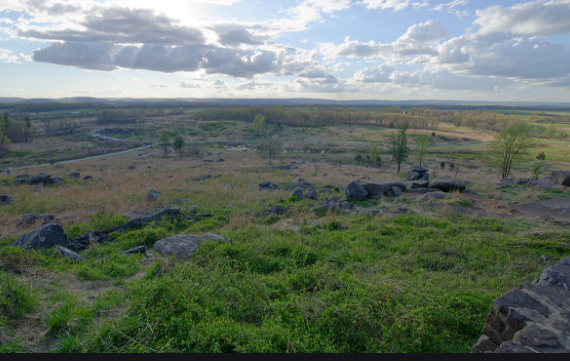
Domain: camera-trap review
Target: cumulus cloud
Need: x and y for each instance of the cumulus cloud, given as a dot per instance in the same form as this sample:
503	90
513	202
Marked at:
378	74
188	85
329	6
416	41
236	35
503	56
543	17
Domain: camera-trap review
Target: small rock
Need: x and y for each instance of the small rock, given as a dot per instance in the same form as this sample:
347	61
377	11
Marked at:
429	196
88	178
298	192
9	172
137	250
233	186
152	196
57	180
4	199
221	160
132	167
75	176
194	209
268	185
185	246
66	253
543	259
312	194
401	209
31	219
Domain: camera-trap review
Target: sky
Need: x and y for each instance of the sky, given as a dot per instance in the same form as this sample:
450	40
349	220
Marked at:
470	50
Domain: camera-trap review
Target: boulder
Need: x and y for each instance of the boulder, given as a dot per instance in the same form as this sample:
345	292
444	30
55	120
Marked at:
268	185
533	318
31	219
152	196
143	220
9	172
184	246
44	238
312	194
419	169
429	196
412	176
447	185
4	199
40	179
88	177
66	253
384	188
298	192
397	191
561	178
356	192
75	176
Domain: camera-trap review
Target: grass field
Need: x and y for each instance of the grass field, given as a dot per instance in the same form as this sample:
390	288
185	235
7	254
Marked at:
311	280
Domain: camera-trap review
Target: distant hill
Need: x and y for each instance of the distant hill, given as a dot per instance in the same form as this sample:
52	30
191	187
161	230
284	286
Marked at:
290	102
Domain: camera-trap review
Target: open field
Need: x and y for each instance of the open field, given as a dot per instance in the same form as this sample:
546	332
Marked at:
392	274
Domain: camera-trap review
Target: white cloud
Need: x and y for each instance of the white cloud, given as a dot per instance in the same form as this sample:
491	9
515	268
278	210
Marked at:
397	5
543	17
378	74
329	6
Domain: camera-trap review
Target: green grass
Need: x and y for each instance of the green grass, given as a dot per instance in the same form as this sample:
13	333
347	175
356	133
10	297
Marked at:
410	284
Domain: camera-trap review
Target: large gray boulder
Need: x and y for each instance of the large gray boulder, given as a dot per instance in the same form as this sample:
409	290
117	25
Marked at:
561	178
447	185
40	179
384	188
185	246
356	192
44	238
533	318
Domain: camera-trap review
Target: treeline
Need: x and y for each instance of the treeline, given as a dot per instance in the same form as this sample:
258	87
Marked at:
15	131
131	116
384	117
52	107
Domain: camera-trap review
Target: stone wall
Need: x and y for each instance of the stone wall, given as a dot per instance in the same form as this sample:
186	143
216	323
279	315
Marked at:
532	319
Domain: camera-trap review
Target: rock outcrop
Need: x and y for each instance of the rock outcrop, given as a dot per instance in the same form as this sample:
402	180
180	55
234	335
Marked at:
531	319
447	185
44	238
418	173
356	192
561	178
184	246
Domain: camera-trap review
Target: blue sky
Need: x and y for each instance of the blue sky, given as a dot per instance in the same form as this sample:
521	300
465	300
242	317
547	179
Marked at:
505	50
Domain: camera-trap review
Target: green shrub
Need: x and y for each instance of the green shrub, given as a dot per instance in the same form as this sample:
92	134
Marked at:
16	299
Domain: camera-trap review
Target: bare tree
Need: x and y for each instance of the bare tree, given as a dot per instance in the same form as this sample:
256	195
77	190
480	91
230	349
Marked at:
510	144
270	149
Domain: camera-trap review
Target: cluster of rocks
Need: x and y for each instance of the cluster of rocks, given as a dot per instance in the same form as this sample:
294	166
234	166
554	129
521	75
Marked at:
558	179
46	179
416	182
48	237
535	318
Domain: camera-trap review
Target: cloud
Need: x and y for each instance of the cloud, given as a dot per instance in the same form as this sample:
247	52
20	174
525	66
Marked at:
236	35
397	5
124	26
7	57
416	41
544	17
378	74
189	85
329	6
499	55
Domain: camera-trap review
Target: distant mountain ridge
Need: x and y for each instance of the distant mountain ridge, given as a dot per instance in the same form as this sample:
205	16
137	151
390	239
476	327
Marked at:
284	101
